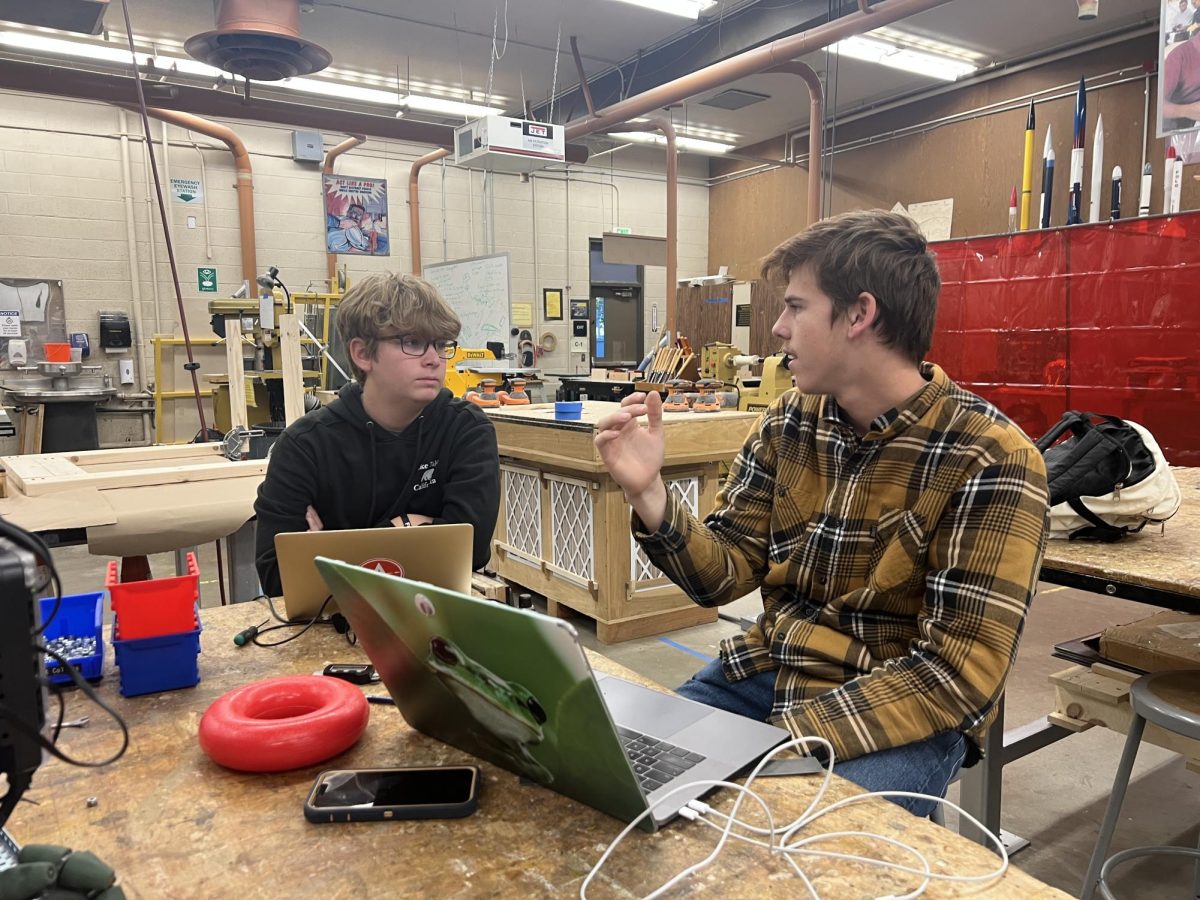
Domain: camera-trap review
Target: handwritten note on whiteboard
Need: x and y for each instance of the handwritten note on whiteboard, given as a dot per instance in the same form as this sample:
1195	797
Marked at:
478	289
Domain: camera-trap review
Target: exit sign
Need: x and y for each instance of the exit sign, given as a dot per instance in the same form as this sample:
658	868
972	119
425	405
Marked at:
622	231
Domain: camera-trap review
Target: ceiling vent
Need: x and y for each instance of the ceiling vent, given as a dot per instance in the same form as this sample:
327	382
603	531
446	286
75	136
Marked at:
259	40
83	16
734	99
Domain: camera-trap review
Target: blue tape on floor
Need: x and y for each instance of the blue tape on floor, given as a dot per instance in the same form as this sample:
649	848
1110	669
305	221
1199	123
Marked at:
679	646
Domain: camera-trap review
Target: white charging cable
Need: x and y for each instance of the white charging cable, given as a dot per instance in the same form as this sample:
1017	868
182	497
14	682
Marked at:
780	840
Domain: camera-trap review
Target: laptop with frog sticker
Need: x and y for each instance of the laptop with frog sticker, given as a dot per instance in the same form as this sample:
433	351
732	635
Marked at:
514	687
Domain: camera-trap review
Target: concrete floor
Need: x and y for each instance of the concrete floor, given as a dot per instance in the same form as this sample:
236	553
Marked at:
1055	798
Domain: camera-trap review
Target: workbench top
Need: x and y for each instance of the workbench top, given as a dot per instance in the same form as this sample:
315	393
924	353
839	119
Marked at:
174	824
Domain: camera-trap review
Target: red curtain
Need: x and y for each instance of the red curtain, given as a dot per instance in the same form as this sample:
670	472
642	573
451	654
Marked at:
1102	318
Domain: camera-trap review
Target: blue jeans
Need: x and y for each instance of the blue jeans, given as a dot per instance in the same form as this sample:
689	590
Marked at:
924	767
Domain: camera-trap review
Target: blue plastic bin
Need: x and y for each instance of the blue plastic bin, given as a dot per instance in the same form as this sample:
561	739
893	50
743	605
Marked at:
150	665
79	615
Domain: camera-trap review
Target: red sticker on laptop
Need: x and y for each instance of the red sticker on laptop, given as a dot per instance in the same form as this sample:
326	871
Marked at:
386	566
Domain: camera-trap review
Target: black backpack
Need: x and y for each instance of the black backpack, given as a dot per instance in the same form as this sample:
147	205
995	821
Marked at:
1108	479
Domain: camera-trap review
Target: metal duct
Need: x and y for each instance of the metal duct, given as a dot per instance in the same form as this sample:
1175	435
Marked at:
259	40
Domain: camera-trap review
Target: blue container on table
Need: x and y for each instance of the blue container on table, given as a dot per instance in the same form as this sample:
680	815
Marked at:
78	616
164	663
568	410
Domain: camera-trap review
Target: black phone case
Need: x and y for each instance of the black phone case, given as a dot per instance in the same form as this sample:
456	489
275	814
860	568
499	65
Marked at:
329	814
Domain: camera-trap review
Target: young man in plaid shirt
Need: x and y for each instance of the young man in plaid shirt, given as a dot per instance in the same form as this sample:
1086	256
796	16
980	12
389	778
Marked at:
893	521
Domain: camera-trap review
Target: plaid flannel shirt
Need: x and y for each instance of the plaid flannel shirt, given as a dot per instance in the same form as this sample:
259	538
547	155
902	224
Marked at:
896	569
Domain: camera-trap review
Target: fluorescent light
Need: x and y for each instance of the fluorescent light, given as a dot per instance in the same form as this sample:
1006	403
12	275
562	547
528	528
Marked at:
689	9
20	40
918	62
186	66
682	143
699	131
36	43
446	106
340	90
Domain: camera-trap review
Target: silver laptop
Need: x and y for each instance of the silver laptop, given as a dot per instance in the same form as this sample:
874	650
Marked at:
438	554
514	687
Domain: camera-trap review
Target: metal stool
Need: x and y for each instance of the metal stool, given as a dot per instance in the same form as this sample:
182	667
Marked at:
1170	700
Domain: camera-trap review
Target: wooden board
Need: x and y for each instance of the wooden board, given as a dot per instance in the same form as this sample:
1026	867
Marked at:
532	434
293	373
157	453
54	477
1091	697
238	416
29	429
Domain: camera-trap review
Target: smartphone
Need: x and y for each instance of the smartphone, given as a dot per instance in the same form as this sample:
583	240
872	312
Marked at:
374	795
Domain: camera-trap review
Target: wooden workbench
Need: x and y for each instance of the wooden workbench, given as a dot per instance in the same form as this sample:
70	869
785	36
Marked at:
174	824
563	529
1156	565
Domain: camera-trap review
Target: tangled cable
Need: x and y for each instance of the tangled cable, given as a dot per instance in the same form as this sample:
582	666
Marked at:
782	840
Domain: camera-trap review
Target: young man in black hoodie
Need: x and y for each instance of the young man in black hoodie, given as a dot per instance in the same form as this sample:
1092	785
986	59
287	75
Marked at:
396	448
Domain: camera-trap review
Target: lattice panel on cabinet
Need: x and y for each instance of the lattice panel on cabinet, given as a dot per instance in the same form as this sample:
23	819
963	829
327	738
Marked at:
571	527
687	491
523	511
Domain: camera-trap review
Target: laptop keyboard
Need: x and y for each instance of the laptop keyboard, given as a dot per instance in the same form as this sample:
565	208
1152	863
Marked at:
655	762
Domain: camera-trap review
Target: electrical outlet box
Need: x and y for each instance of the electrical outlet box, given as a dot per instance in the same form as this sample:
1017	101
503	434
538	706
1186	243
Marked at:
308	146
125	367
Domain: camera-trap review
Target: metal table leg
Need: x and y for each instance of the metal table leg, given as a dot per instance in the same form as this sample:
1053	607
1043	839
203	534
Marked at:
981	788
242	578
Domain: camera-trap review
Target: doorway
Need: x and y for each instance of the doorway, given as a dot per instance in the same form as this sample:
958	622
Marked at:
616	310
616	326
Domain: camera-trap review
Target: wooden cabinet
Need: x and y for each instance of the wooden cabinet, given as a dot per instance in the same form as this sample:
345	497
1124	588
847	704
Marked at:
563	529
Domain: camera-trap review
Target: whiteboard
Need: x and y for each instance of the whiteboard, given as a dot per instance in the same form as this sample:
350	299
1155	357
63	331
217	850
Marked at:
478	289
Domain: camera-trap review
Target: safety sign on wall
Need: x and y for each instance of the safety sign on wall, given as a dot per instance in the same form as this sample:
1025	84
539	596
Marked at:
187	190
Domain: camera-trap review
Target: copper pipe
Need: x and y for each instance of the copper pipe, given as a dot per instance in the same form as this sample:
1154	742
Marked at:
816	127
663	124
334	152
245	180
583	82
414	203
749	63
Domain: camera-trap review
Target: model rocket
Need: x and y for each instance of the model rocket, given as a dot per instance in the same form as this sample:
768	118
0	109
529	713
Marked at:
1047	180
1075	182
1168	178
1094	212
1012	210
1114	211
1027	170
1144	192
1176	180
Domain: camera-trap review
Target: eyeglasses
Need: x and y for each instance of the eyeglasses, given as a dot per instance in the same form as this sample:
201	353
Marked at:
415	346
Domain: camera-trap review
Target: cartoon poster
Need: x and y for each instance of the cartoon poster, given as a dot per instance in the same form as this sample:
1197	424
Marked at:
356	215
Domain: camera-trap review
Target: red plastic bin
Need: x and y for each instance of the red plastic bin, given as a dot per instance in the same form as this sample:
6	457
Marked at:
158	606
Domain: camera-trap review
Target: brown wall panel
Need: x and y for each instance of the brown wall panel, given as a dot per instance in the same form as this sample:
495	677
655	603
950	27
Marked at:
976	162
699	319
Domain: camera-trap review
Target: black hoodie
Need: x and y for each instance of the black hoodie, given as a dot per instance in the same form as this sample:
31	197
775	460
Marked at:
357	474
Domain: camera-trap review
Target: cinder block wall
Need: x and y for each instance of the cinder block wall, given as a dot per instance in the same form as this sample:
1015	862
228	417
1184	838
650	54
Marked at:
62	216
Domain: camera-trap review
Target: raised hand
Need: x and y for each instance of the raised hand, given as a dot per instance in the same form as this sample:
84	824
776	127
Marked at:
634	455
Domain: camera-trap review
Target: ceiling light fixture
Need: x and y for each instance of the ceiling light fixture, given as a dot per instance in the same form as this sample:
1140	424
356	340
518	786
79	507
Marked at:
682	143
22	41
689	9
895	56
